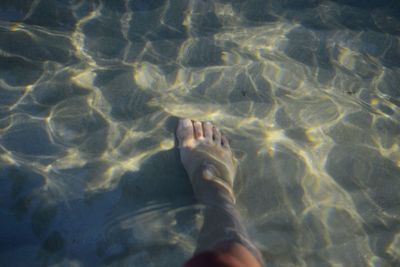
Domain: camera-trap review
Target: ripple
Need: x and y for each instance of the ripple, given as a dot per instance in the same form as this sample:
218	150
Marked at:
89	95
83	127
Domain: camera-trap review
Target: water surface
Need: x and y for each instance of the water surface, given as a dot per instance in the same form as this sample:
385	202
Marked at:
90	93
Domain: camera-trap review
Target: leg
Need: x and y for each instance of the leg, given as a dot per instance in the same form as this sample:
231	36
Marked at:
211	167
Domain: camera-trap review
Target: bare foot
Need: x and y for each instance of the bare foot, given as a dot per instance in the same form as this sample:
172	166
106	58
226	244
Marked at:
208	160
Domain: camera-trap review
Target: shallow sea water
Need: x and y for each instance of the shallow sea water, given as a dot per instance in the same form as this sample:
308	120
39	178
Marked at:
90	92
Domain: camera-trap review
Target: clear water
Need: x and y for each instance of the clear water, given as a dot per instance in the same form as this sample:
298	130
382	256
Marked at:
90	92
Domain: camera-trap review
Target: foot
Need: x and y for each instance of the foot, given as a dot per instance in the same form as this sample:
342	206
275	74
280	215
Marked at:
208	160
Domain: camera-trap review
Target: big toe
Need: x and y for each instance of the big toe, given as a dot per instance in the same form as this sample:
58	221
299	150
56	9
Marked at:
185	133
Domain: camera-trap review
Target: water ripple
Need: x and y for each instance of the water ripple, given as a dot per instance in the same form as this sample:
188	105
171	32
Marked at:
306	90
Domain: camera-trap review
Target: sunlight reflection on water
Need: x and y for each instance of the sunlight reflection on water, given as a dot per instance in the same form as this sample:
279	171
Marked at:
89	96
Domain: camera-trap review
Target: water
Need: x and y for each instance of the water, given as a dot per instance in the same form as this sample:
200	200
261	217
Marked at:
308	92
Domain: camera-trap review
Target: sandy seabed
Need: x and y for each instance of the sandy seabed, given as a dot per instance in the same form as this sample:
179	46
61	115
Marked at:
90	92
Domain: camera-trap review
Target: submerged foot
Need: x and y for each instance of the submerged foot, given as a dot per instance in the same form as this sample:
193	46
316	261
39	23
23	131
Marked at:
208	160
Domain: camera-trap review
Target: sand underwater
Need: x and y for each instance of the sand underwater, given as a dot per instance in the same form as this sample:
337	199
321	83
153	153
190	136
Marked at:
90	92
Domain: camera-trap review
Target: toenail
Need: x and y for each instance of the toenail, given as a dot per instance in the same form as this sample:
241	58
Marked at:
187	123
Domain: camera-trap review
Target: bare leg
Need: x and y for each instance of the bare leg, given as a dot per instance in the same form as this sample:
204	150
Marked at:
209	162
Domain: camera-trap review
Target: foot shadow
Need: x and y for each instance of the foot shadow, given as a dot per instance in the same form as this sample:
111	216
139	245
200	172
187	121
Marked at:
155	218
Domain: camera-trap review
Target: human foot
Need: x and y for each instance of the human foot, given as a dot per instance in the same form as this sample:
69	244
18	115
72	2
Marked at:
208	160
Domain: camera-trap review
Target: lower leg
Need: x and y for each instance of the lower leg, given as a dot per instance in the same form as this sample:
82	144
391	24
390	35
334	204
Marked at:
222	222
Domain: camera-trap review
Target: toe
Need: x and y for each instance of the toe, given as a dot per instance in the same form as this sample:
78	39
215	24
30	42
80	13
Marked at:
217	136
224	141
198	130
208	130
185	132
